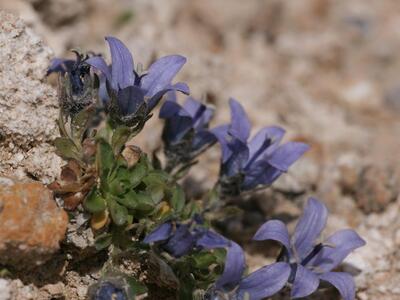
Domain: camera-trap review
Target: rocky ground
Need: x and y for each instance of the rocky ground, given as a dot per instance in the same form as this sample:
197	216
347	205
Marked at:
325	70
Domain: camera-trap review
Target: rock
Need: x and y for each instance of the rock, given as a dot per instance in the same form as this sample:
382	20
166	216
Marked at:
4	289
60	12
23	292
56	290
375	189
392	98
32	225
28	106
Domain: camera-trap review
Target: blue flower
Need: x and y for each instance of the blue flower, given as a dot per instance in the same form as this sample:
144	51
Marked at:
233	286
245	164
134	94
304	261
185	133
76	83
180	239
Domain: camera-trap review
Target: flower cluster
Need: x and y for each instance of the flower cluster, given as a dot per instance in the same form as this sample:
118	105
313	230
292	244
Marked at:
180	239
133	96
303	262
258	162
186	133
137	206
76	80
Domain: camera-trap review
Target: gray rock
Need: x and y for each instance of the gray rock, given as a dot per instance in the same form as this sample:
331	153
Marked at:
28	105
4	289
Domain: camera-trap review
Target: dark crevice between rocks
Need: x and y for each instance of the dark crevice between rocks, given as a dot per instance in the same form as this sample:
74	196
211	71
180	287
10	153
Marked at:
53	271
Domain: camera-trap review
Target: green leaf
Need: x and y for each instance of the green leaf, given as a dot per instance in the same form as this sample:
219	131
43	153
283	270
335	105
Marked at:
138	173
156	177
105	159
103	241
119	181
203	260
156	192
220	255
144	202
178	199
94	202
187	287
136	286
80	121
128	200
119	138
140	202
115	187
104	133
190	210
66	148
119	213
165	275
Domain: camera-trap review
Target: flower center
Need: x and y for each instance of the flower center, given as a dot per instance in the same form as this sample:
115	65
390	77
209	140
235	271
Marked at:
312	254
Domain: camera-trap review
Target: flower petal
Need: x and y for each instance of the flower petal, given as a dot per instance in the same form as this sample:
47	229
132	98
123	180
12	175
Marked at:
176	127
265	139
309	227
240	155
181	241
178	122
129	100
161	73
340	245
305	282
103	93
274	230
265	281
343	282
99	63
161	233
240	123
200	113
212	240
286	155
260	173
60	65
171	96
181	87
122	69
153	101
203	138
221	133
234	268
169	109
193	107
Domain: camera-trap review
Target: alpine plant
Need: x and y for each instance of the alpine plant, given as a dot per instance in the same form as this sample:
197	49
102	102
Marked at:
250	163
186	131
132	95
136	207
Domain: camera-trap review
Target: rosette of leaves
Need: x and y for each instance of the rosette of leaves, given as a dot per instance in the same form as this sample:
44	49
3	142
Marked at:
129	196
